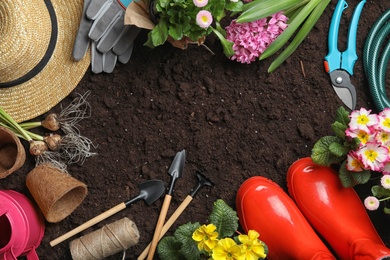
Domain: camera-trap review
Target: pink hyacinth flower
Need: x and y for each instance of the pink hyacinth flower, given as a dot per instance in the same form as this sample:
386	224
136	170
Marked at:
204	19
252	38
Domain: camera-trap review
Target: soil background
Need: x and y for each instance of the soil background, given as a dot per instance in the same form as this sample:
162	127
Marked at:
234	121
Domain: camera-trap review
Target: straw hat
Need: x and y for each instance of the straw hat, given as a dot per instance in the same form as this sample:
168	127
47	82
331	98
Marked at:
36	66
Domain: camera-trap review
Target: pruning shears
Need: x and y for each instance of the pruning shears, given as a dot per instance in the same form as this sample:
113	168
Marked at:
339	65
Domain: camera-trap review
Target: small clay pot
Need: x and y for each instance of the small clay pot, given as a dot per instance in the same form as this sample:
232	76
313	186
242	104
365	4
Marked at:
56	192
12	153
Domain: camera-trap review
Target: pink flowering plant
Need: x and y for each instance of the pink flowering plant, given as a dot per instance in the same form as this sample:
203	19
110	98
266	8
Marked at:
190	21
360	146
251	39
218	240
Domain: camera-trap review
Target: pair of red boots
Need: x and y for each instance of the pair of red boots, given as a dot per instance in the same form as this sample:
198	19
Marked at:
322	206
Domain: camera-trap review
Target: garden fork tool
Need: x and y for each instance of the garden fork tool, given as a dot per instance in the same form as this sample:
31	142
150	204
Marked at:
176	171
339	65
202	181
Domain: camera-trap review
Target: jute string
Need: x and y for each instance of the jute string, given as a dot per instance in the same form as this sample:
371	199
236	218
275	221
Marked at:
109	240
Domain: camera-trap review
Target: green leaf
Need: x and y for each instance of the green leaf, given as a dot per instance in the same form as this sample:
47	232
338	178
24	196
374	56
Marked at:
380	192
234	6
301	35
176	31
226	45
342	116
189	247
361	177
159	34
338	150
286	34
339	129
321	154
259	9
386	210
168	249
345	177
224	218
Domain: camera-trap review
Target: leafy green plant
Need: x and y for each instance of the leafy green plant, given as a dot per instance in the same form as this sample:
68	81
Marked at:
193	241
330	150
189	21
303	15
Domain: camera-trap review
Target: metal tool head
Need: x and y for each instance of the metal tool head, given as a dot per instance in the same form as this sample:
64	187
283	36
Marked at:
341	83
176	169
202	181
150	191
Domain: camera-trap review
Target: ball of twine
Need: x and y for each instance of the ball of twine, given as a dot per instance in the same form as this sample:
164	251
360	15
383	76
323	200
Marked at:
109	240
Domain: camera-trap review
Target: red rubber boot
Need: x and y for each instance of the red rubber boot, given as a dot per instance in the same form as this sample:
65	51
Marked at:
263	206
335	212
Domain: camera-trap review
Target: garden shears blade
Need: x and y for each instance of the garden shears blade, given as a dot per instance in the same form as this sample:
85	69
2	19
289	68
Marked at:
339	65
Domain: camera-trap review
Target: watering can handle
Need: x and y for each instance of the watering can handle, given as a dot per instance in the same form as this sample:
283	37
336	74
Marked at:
32	255
9	255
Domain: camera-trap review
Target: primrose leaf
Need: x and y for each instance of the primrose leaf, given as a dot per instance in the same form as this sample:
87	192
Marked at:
321	153
339	129
189	248
342	116
361	177
169	249
379	191
337	149
345	177
224	218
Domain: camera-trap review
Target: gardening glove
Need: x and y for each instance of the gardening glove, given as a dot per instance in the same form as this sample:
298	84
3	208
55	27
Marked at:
102	23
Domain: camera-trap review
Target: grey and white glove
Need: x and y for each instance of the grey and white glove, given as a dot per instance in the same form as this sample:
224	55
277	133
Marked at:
102	24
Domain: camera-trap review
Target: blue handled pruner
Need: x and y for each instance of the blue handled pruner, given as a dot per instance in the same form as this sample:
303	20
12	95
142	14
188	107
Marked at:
338	64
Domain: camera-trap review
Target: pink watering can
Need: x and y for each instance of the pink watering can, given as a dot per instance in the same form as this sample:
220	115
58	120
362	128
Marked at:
21	226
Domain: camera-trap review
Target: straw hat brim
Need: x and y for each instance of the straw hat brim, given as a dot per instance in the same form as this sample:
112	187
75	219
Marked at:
58	78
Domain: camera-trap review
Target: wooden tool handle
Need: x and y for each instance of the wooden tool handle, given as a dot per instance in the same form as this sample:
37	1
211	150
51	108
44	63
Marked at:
89	223
160	223
168	224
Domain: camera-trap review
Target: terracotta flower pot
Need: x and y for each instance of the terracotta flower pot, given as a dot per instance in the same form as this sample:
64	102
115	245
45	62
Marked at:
12	153
56	192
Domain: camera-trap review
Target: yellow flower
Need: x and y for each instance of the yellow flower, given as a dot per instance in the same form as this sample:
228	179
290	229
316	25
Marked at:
206	237
227	249
252	246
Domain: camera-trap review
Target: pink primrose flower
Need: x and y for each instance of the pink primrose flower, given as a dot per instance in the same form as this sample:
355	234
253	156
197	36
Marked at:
362	135
353	162
386	169
200	3
384	120
371	203
373	156
362	119
204	19
252	38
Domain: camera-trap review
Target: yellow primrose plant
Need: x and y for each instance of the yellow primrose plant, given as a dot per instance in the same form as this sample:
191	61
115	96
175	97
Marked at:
217	240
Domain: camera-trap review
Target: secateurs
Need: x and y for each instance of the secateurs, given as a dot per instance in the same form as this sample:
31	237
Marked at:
338	64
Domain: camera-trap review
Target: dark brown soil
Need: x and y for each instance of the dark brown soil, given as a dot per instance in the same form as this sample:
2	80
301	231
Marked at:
234	121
